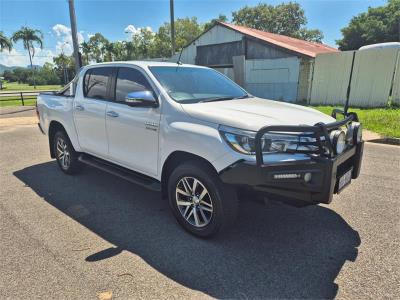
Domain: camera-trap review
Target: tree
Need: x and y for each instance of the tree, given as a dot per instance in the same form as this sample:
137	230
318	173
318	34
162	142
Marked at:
29	37
221	18
286	19
120	51
46	75
64	67
186	30
97	45
143	42
108	51
5	43
377	25
86	50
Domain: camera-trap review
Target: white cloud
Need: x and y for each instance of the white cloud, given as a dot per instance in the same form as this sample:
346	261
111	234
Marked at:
64	39
60	30
20	58
131	30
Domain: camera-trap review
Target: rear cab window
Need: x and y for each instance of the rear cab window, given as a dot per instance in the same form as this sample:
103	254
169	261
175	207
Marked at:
96	82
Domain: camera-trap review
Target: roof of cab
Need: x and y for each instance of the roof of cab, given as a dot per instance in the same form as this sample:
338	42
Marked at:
143	64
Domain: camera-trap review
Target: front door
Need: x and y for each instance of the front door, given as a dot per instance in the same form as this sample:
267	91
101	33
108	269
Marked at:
132	131
90	111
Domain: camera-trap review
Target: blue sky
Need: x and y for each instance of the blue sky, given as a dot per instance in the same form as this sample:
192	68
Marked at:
112	17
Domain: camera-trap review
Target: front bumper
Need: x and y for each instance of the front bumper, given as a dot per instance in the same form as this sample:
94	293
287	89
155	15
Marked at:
325	174
290	181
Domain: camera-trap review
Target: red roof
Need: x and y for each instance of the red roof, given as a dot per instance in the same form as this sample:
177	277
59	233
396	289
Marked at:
310	49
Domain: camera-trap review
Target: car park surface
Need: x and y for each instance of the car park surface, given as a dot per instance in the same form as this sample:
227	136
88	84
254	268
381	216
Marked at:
95	234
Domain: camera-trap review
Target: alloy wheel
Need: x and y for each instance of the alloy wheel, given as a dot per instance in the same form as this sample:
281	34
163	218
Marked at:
194	201
63	153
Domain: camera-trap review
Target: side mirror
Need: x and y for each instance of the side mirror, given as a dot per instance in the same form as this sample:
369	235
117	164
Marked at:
141	98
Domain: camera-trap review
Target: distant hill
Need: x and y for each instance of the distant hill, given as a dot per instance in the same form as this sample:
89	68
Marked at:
3	68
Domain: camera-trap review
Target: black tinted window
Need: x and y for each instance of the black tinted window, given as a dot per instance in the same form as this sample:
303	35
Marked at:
96	82
130	80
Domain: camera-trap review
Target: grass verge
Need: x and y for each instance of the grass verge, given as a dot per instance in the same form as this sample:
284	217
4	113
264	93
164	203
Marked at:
23	87
13	102
385	121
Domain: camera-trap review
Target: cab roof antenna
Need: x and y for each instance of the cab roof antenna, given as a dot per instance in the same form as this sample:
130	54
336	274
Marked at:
179	58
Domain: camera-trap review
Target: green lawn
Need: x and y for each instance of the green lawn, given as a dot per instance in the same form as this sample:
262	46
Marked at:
10	101
385	121
22	87
15	86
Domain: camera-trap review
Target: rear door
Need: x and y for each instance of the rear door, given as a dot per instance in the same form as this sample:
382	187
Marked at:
90	111
132	131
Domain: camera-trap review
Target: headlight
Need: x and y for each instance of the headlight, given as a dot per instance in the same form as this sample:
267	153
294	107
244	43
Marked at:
338	139
243	141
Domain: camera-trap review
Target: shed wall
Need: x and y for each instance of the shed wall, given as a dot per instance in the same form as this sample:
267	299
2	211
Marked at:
257	50
216	35
273	78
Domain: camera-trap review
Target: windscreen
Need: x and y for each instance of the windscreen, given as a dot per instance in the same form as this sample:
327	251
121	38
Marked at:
193	85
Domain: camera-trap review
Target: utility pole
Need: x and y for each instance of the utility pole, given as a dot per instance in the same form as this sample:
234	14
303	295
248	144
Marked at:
171	10
72	18
65	72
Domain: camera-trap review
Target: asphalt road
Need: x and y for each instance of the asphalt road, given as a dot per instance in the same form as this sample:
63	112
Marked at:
76	237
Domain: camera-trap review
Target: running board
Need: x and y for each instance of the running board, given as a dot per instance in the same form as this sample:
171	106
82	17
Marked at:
131	176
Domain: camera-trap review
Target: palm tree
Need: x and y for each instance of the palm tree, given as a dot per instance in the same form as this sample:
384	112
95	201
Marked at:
86	51
109	50
5	43
29	36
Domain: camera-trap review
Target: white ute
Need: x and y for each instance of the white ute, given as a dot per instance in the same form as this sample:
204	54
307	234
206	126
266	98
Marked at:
196	136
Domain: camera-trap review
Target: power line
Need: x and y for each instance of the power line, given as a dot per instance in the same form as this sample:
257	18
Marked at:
50	55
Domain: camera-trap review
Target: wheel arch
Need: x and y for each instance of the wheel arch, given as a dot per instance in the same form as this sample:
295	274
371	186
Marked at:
173	160
54	127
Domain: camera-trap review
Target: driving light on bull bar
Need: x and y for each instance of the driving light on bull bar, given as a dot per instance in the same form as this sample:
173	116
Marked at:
357	132
287	176
307	177
354	133
338	139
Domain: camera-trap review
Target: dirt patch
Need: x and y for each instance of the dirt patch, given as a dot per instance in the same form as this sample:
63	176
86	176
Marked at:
18	121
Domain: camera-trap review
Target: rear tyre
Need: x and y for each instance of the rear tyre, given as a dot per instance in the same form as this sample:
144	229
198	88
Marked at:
67	157
202	204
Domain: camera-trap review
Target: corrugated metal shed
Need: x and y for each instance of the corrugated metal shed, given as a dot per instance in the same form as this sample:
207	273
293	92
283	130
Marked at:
266	64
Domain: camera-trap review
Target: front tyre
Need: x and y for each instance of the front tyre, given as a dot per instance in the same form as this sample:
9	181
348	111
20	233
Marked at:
67	157
202	204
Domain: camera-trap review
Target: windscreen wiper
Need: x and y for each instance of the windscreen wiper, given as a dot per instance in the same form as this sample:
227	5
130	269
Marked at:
222	98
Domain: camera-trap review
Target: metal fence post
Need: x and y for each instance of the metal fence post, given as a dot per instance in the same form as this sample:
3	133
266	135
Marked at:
22	99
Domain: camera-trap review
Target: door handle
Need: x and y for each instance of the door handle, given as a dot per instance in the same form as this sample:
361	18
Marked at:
79	107
112	114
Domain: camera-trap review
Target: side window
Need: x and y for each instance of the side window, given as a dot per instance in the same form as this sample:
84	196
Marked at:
129	80
95	83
